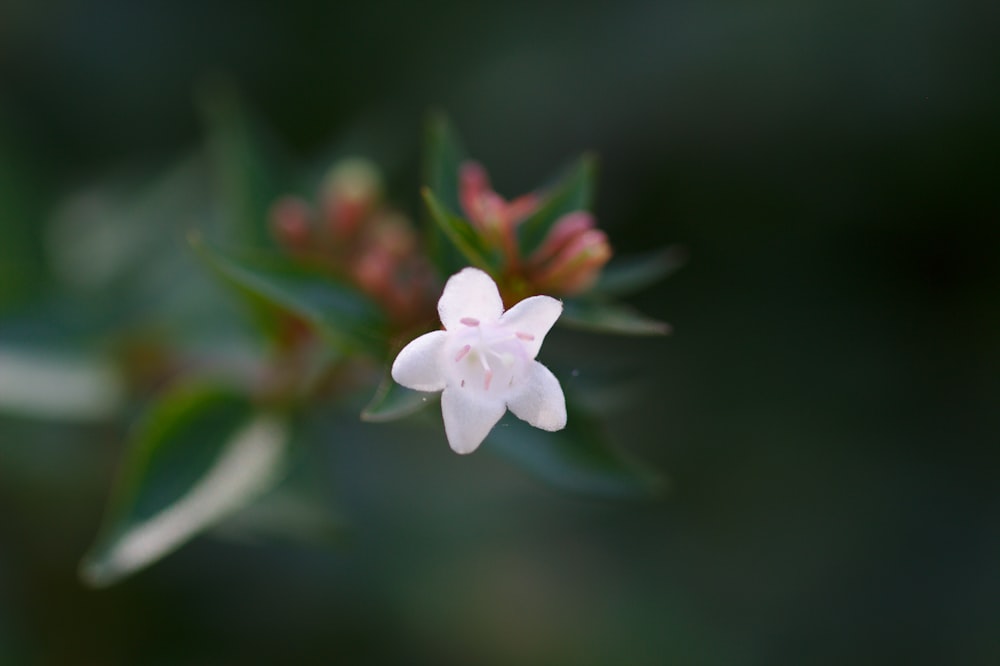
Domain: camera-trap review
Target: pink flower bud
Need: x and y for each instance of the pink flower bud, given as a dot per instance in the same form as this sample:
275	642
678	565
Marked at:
566	228
571	257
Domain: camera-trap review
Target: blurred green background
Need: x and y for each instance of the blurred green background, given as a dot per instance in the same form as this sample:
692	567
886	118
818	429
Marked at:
827	409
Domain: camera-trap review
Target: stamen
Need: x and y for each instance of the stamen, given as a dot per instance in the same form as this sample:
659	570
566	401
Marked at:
525	336
462	352
489	378
469	321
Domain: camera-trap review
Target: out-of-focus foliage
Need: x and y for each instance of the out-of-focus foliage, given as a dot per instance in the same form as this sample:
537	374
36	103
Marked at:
826	406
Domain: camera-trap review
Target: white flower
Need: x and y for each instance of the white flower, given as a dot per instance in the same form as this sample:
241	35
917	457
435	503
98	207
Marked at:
484	361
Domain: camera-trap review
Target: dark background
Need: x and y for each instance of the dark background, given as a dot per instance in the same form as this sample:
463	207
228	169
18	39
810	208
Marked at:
827	408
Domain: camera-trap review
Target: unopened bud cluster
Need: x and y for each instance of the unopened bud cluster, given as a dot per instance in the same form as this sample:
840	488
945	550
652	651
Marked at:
351	232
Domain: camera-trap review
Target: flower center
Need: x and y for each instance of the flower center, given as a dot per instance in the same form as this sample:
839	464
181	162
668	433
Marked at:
487	358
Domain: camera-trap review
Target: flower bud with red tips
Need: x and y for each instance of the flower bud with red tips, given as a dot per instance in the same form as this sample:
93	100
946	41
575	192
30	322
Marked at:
571	257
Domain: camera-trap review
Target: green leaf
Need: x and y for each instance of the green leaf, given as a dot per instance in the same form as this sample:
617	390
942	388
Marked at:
604	317
575	191
630	274
243	168
347	319
199	455
461	234
578	458
443	155
392	401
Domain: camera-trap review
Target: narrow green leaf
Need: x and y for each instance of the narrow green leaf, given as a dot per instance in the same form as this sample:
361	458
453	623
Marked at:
578	458
604	317
243	167
392	401
199	455
630	274
443	155
575	191
460	233
346	318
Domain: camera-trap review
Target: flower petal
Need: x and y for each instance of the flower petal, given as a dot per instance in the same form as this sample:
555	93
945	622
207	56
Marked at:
469	293
468	417
534	317
418	365
540	401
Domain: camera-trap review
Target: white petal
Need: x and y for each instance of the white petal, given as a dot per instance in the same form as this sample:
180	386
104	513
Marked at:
468	417
418	365
469	293
533	316
540	400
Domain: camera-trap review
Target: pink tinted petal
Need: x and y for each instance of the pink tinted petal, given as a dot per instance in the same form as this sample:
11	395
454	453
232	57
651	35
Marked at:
470	293
533	317
419	365
468	417
540	400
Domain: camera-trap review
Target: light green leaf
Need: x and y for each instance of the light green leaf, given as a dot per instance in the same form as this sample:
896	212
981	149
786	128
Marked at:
575	191
392	401
199	455
461	234
578	458
53	385
630	274
602	317
342	315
